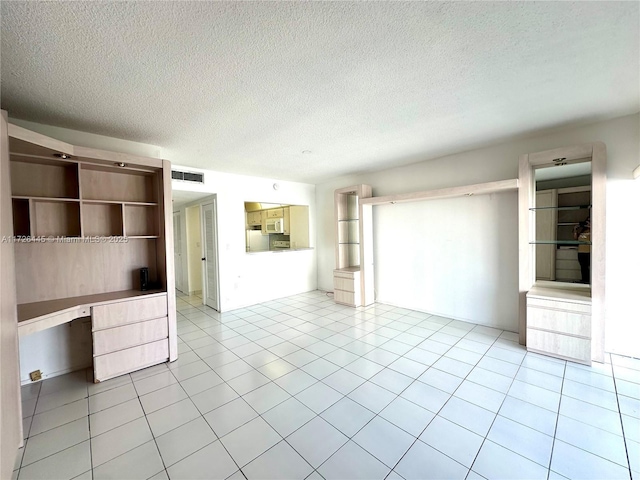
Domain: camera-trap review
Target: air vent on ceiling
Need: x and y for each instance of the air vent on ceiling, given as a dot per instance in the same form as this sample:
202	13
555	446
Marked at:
187	176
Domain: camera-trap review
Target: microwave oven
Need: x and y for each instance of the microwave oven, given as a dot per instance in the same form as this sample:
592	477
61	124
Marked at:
274	225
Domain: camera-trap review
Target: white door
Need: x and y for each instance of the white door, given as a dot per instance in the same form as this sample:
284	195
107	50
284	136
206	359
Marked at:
177	249
210	259
11	411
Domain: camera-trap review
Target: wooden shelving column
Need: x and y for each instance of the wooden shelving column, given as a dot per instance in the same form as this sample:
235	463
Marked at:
353	276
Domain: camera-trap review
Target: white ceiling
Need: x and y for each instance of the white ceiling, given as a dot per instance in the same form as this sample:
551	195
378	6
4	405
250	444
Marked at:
246	87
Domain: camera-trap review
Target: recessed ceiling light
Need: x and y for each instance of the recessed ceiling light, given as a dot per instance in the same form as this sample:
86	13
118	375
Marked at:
120	164
64	156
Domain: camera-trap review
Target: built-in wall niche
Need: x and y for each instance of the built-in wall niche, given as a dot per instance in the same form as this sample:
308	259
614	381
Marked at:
118	184
44	178
562	319
562	207
275	226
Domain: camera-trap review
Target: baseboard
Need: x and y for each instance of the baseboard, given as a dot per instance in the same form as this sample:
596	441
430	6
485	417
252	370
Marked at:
26	381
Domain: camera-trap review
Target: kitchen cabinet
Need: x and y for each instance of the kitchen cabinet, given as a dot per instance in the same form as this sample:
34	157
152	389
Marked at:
287	221
274	213
254	218
298	226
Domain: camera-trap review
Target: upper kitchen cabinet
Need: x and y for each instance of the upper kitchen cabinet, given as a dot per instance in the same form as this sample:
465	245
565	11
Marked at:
274	213
276	227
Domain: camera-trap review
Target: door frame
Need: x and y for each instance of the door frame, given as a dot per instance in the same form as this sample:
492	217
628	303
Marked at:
177	230
213	201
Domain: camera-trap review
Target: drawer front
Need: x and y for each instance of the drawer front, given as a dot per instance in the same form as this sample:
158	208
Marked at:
119	338
353	275
130	311
125	361
346	298
556	344
559	305
559	321
346	284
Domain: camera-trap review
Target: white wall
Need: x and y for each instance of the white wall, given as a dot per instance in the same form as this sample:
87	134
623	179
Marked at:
56	351
458	257
250	278
194	249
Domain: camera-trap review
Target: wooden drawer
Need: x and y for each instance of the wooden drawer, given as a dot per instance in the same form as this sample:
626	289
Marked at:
346	284
346	274
346	298
559	321
119	338
559	305
558	345
131	359
130	311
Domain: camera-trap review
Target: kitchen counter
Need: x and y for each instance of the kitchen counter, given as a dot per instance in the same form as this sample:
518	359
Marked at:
280	250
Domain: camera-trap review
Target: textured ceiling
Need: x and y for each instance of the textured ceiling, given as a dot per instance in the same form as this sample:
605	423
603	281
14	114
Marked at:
246	87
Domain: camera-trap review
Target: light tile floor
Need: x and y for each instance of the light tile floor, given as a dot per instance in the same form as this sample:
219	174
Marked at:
304	388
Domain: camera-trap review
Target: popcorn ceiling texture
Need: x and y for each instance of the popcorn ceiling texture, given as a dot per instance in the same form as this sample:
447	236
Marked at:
245	87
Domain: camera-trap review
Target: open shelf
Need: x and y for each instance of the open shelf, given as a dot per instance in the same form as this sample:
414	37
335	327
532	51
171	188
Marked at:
573	207
44	178
117	185
102	219
21	223
558	242
55	218
140	221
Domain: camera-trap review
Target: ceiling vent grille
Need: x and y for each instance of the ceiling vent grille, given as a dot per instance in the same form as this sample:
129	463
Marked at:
187	176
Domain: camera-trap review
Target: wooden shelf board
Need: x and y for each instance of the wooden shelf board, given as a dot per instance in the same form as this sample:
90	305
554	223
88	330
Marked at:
348	269
143	236
574	292
119	202
46	199
466	190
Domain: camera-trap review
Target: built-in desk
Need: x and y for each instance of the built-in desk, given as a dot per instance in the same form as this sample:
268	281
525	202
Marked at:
37	316
130	328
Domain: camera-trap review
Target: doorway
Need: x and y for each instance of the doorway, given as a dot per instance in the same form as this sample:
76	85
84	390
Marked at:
210	257
177	250
196	248
194	251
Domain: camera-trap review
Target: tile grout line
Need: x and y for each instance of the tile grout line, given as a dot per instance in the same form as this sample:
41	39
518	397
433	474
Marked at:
349	321
555	429
624	438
